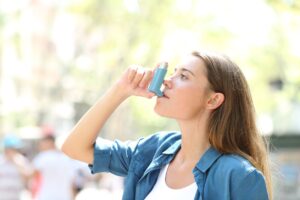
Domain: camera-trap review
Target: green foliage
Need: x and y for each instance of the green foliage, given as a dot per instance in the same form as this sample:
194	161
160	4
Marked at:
110	35
290	5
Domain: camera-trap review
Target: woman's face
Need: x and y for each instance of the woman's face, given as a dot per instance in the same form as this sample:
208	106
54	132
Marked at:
186	91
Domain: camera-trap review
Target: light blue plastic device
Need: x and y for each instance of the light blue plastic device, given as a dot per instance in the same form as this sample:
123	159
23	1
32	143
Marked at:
158	79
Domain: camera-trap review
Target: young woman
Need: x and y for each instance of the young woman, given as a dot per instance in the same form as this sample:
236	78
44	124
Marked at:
218	153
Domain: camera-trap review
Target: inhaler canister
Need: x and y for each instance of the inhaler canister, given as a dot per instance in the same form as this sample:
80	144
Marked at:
158	79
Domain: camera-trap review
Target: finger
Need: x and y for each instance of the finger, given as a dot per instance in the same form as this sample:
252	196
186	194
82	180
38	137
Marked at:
145	93
146	78
159	64
149	95
132	70
138	77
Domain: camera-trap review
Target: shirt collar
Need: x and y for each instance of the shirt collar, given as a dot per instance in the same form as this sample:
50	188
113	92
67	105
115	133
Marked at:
208	159
173	148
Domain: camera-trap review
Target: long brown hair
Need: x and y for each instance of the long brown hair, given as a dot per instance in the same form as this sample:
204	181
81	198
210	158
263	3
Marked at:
232	127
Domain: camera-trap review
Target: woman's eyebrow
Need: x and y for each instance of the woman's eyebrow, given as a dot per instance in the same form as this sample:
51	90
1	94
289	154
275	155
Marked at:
185	70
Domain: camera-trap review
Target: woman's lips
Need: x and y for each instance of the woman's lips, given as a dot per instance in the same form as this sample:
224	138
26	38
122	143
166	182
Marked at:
165	95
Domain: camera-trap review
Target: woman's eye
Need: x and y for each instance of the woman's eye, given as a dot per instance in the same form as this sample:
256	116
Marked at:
183	77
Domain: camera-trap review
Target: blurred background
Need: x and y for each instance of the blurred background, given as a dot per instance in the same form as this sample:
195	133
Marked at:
58	56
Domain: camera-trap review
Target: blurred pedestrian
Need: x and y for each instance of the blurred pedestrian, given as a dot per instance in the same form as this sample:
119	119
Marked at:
15	169
82	176
54	171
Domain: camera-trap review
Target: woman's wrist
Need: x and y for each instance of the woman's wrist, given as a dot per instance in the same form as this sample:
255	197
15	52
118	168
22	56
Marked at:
120	91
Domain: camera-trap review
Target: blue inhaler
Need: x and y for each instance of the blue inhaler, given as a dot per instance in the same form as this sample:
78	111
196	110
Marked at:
158	79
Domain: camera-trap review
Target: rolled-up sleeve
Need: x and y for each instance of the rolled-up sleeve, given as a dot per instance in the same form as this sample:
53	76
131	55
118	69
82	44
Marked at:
251	187
112	156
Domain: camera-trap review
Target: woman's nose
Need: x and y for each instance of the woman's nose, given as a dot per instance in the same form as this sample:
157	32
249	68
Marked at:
168	83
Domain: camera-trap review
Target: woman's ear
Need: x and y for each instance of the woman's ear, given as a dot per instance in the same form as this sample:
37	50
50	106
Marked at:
215	100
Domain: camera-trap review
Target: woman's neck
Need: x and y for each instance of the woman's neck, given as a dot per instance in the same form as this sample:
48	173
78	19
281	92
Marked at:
194	140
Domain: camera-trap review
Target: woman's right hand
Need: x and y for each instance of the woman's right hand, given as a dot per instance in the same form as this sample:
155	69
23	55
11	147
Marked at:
80	143
135	81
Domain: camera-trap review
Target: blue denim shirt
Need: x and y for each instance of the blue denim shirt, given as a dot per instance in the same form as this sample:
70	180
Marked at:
218	176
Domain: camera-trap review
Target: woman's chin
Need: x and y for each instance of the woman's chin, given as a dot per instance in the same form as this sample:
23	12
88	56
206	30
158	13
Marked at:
161	112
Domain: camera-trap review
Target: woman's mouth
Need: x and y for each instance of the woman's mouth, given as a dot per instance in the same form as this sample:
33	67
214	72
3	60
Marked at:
165	95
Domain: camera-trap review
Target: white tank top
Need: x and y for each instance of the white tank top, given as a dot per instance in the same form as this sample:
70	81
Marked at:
162	191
